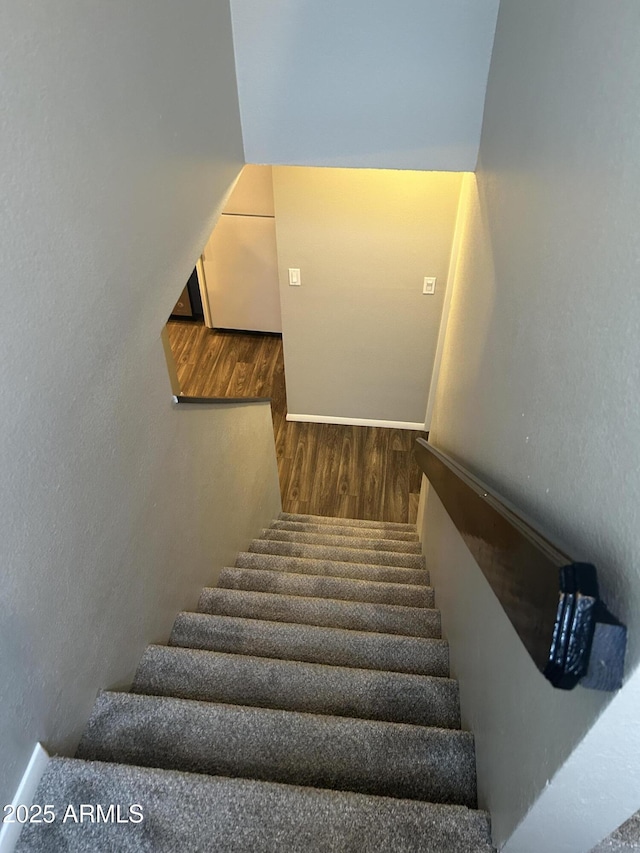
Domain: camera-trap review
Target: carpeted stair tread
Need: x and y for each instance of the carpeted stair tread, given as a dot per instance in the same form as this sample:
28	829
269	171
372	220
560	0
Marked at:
332	568
334	552
343	530
330	612
294	686
317	586
306	706
190	812
312	643
361	543
365	756
347	522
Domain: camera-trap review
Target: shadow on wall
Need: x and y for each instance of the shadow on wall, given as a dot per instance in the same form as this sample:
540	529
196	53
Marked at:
460	379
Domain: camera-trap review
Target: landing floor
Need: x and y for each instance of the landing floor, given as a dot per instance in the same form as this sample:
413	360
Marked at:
324	469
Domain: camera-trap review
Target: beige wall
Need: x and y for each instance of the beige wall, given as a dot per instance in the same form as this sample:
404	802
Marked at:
252	193
112	176
539	393
359	330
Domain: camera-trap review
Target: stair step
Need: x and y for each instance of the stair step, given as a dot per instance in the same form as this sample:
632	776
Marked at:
330	612
332	568
316	586
344	530
185	811
365	756
312	644
346	522
294	686
333	552
361	543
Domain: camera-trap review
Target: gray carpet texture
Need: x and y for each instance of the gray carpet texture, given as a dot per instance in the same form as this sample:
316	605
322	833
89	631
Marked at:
342	530
305	706
332	568
333	613
342	553
296	686
312	643
316	586
188	813
625	839
360	543
344	753
346	522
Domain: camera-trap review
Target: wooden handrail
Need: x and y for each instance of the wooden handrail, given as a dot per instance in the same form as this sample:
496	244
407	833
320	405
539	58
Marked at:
551	601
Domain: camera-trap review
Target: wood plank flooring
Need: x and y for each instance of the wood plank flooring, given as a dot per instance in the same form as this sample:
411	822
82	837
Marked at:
324	469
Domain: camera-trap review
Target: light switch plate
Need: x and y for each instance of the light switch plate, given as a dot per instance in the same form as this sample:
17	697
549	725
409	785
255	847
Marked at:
294	277
429	286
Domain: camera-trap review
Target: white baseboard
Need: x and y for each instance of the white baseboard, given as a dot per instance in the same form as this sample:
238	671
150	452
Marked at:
10	832
326	419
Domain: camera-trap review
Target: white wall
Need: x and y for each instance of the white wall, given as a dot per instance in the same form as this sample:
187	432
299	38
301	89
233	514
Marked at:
538	391
358	331
392	84
111	176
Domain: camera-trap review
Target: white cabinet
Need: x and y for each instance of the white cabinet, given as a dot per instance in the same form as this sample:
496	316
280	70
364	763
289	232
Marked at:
241	271
240	260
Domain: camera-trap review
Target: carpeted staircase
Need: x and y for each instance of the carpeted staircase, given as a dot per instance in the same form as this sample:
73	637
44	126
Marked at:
305	707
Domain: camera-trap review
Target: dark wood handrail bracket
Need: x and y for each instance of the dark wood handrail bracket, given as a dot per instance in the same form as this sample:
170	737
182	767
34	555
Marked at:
181	399
551	601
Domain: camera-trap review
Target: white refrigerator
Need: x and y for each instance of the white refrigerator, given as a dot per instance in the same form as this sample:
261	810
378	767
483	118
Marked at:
240	261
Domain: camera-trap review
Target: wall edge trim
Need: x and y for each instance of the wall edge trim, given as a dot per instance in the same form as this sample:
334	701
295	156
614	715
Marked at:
10	832
372	422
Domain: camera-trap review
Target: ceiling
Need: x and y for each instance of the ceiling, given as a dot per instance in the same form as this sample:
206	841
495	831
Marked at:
391	84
